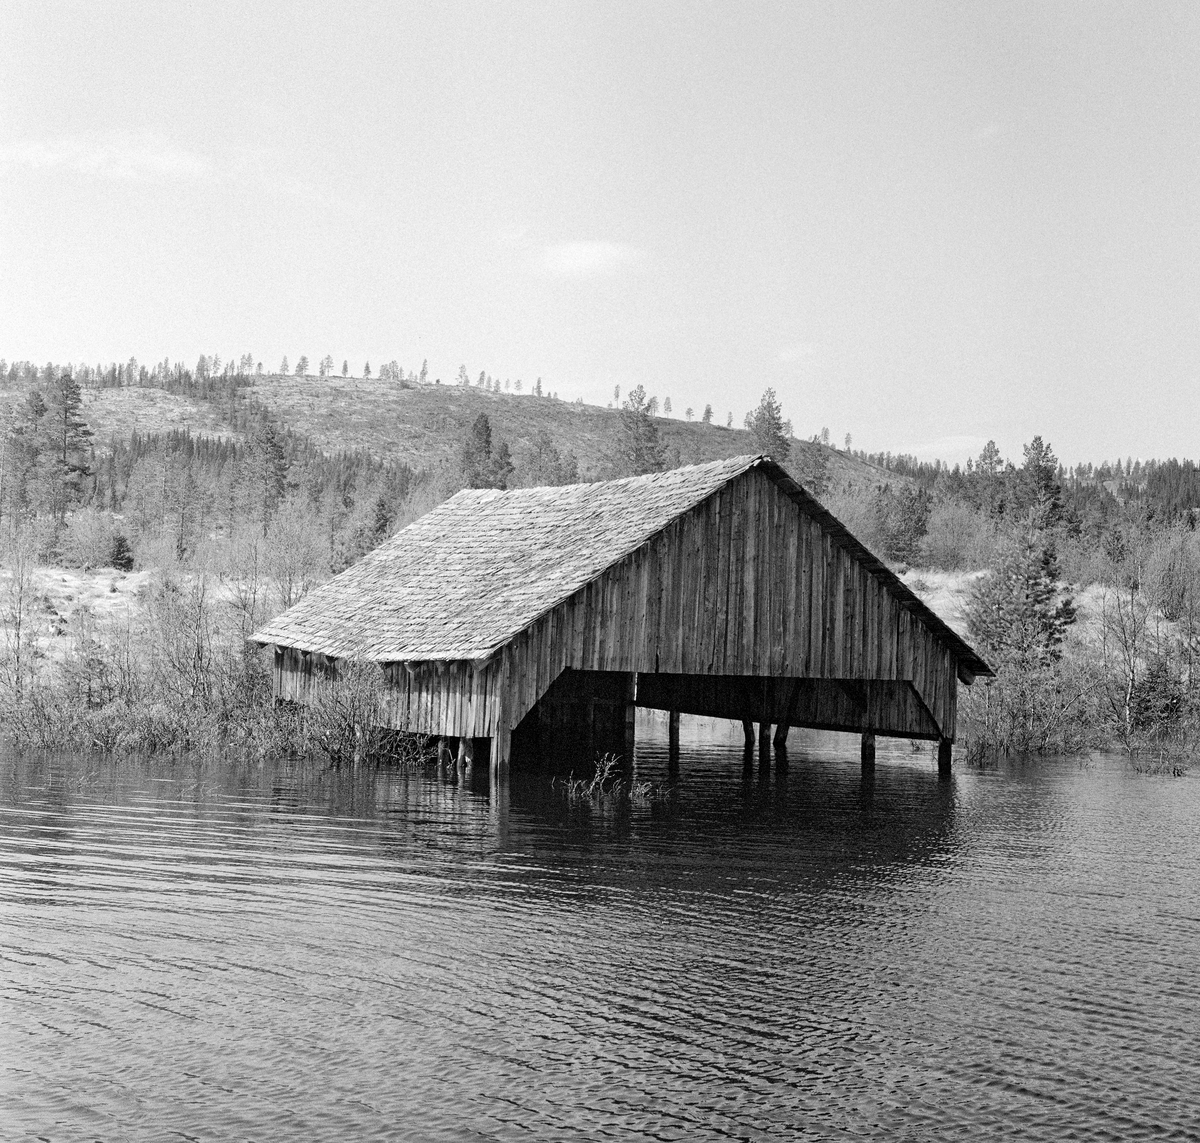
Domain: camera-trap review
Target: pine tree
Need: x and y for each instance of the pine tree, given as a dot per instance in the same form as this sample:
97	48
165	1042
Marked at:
1041	490
266	470
639	448
283	367
69	437
708	415
1020	611
345	368
302	367
481	467
772	434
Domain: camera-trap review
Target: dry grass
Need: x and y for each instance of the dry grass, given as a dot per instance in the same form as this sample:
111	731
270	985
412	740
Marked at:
120	412
67	597
946	594
425	425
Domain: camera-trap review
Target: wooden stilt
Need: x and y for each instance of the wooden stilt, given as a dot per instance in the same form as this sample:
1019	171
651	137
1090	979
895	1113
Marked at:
673	733
764	739
501	748
868	750
466	752
748	730
781	733
444	754
630	717
945	757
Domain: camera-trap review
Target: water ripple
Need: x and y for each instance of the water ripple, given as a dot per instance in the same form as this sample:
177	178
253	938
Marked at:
234	950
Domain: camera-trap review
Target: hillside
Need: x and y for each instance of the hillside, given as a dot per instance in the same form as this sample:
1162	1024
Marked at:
424	425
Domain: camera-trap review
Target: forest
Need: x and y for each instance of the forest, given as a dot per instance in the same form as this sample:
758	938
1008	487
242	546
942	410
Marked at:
1080	585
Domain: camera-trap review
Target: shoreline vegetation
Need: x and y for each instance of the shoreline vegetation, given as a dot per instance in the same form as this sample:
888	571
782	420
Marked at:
133	569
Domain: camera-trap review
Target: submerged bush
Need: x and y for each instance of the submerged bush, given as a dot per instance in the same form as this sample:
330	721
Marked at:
608	783
346	717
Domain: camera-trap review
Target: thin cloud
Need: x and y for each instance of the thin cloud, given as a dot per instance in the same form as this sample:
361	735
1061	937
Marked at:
120	159
588	259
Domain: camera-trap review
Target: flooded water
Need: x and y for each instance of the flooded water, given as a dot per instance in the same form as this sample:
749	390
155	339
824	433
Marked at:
275	951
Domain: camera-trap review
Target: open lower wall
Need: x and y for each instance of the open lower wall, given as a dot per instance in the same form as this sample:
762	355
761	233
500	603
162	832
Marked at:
887	707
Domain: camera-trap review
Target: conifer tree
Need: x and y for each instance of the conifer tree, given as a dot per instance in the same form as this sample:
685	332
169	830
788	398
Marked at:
1019	611
639	448
481	467
772	434
69	438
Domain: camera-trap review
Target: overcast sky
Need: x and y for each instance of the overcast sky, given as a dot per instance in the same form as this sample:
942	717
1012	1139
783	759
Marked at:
925	224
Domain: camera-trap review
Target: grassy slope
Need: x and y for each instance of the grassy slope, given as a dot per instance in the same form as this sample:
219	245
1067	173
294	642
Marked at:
426	425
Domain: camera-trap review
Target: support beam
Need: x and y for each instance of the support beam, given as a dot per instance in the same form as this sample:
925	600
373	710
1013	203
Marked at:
868	751
444	754
748	731
466	752
945	757
673	734
781	733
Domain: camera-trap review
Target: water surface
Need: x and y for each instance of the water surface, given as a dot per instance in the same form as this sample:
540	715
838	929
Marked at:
274	951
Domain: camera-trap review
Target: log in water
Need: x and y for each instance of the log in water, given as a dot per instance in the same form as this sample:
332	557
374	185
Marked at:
236	950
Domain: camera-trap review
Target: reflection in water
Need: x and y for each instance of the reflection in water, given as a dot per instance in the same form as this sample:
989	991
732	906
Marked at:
241	950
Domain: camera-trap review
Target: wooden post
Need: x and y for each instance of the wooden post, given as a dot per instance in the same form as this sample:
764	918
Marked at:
868	750
945	757
466	752
501	744
673	734
501	748
748	730
630	717
445	757
785	723
764	740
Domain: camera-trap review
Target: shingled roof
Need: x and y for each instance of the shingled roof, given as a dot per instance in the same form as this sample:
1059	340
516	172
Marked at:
465	578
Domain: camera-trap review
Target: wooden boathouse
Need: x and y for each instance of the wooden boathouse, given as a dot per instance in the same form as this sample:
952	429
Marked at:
525	619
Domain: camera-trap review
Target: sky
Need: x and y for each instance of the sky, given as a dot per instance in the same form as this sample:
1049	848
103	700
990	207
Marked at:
923	224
